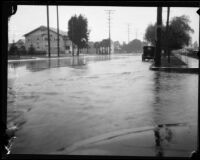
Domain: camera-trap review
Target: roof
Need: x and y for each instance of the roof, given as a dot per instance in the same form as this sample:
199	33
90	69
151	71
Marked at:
62	33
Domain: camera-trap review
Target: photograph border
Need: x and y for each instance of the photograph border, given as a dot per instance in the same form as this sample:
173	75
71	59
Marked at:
8	8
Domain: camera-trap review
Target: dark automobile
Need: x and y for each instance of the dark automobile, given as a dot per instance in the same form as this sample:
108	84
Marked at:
148	52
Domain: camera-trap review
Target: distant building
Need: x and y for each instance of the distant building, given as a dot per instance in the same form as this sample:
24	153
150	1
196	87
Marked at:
38	38
91	49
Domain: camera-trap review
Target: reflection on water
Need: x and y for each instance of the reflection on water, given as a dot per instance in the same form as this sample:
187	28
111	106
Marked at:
175	94
39	65
162	134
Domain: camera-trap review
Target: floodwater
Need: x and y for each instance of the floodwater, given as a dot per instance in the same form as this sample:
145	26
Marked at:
59	102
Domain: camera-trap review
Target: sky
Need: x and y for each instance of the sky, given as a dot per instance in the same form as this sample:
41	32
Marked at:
29	17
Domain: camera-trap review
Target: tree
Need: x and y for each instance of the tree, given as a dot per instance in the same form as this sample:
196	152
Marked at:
13	49
134	46
78	31
150	34
22	50
178	33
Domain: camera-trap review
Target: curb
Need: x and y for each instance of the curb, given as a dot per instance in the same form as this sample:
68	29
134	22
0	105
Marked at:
175	69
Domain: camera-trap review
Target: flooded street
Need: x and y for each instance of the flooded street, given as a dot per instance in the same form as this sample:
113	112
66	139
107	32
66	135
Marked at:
59	102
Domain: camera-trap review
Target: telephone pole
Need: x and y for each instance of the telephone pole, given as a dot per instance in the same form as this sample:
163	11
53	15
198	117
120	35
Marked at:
48	31
109	19
167	30
158	37
58	39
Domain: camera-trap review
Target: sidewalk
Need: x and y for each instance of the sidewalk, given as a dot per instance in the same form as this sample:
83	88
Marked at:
35	58
175	140
190	61
178	64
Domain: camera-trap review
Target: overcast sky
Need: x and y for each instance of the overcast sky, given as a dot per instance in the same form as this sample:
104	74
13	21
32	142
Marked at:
29	17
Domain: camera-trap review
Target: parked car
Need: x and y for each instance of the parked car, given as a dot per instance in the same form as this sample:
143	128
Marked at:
148	52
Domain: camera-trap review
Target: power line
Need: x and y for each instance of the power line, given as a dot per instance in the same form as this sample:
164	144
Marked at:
109	12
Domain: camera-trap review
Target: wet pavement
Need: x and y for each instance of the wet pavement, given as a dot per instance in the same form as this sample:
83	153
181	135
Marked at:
191	62
174	140
63	101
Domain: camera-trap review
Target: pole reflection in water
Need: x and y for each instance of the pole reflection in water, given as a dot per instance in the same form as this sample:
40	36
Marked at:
157	101
158	142
162	132
49	63
58	62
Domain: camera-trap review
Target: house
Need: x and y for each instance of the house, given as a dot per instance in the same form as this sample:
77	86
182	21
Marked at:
38	38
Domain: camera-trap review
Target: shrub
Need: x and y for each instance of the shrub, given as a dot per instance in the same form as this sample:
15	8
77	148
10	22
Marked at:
13	50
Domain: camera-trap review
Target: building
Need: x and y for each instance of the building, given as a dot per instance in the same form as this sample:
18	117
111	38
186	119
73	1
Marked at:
38	38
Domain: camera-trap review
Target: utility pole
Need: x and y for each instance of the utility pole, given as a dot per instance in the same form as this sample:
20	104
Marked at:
199	83
109	19
158	37
58	39
48	31
72	37
167	30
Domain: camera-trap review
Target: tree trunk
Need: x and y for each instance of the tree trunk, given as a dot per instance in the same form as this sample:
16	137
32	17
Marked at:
72	49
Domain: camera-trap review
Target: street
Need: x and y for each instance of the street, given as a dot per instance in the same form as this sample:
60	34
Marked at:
60	102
